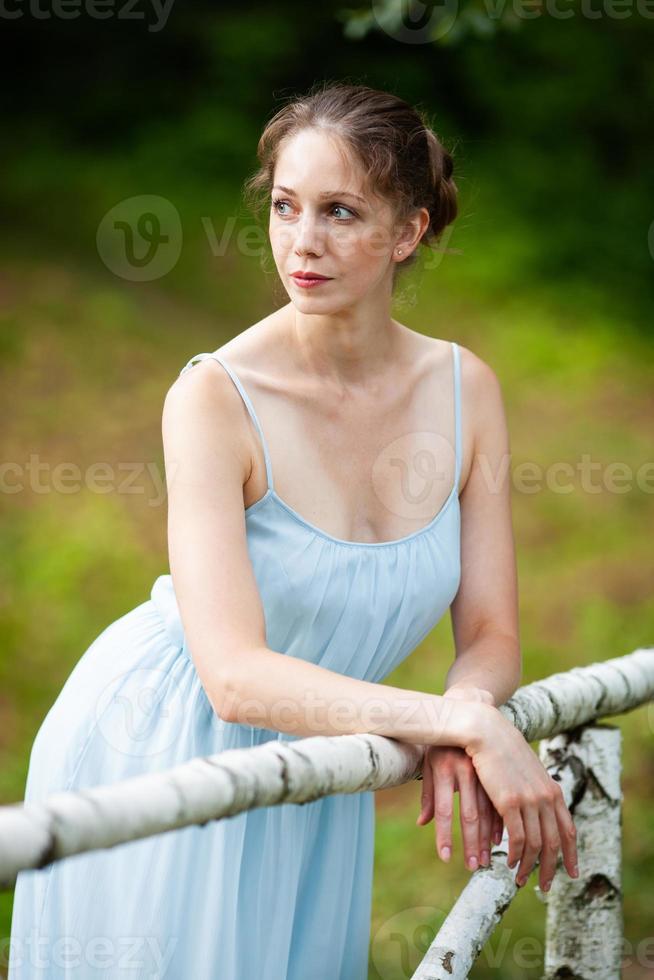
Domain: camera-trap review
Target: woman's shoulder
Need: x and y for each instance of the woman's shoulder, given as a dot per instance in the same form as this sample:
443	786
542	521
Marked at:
476	373
480	385
203	397
243	350
256	348
483	412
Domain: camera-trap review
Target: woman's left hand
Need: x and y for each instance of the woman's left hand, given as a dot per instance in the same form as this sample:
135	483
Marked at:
447	769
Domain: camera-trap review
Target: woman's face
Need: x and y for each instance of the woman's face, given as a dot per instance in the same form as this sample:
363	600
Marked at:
322	220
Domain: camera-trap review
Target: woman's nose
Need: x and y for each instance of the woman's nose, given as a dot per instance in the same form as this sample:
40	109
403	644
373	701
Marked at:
308	235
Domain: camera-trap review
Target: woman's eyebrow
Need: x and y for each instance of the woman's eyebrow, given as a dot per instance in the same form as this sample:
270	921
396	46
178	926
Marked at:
324	194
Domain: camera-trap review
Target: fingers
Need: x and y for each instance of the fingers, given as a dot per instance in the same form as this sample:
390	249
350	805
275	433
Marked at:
514	825
445	771
498	826
532	842
444	801
546	827
469	814
427	797
567	833
486	810
550	849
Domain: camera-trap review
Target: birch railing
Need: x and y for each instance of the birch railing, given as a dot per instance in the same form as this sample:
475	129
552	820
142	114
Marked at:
584	915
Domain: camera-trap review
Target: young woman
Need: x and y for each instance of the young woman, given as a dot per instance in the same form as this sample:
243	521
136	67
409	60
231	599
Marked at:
329	500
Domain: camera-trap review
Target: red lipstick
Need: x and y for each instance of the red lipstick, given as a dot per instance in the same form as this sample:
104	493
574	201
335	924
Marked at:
307	279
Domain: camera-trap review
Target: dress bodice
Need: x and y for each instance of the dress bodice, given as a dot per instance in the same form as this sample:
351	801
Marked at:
358	608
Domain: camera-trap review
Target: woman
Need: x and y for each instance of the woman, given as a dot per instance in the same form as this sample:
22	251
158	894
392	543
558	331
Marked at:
306	564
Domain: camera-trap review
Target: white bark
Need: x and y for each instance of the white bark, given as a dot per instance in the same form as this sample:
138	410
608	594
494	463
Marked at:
206	788
581	695
33	835
584	915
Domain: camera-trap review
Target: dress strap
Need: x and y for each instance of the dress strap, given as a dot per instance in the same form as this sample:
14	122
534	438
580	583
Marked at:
457	411
248	404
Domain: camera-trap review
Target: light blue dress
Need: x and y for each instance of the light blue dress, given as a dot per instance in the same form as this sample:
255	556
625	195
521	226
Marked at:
275	893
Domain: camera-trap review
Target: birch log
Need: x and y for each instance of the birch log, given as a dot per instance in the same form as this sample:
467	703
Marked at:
583	694
33	835
584	915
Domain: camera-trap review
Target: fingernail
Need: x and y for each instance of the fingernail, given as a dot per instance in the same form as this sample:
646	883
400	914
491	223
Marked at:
546	886
485	857
575	871
446	853
520	881
497	837
472	862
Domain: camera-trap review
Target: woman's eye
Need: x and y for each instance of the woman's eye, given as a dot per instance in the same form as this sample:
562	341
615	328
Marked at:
341	207
278	203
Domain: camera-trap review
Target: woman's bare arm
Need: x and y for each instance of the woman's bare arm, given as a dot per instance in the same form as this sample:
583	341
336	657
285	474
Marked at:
485	610
484	615
207	439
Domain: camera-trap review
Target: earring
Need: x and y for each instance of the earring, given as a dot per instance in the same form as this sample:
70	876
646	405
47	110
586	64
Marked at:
399	251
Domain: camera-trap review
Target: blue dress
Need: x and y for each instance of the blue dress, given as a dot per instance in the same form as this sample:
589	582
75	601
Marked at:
275	893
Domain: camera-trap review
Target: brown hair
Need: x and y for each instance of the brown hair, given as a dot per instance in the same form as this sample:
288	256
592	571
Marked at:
405	162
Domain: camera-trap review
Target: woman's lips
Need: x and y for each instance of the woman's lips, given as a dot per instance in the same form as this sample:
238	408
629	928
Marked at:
309	283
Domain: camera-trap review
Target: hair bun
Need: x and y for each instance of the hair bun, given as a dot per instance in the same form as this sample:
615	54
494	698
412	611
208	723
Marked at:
443	209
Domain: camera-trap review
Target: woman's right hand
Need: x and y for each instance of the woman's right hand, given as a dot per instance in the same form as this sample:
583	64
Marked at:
528	799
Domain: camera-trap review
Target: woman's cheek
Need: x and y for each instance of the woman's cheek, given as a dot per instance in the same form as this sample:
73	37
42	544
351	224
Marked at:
375	244
346	245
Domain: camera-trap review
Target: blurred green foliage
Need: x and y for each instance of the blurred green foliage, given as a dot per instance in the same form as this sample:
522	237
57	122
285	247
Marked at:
550	122
549	279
